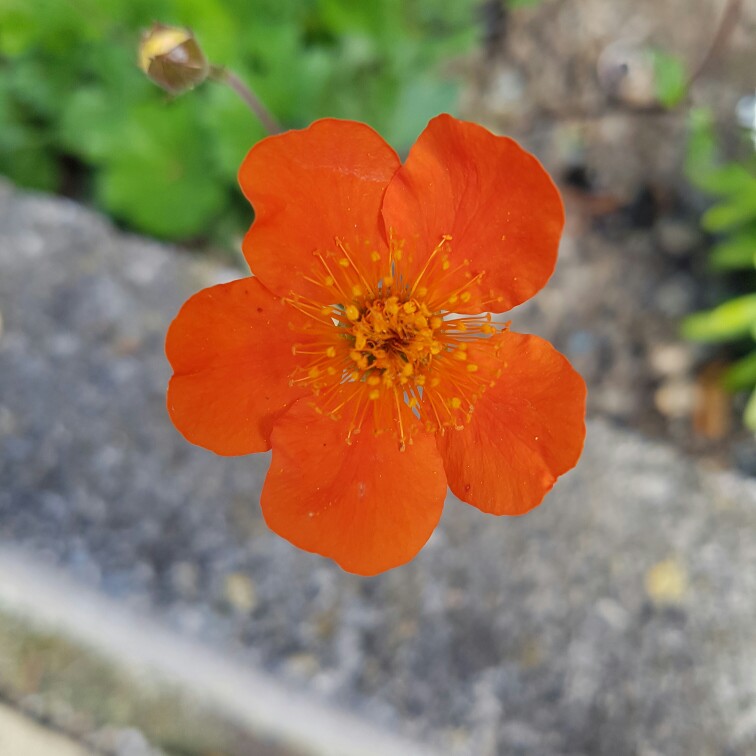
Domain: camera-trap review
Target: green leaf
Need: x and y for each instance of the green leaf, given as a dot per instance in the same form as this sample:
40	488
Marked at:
31	167
670	78
50	26
165	197
26	155
729	321
741	374
235	130
701	162
36	84
92	124
733	212
725	180
736	252
215	26
162	179
419	100
749	416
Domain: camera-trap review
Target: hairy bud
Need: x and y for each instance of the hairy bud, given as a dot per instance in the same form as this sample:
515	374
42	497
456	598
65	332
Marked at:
171	57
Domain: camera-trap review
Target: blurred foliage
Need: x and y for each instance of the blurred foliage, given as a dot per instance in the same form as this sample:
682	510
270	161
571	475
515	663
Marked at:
732	219
76	115
670	78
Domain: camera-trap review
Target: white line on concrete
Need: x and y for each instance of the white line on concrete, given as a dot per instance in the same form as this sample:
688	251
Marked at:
254	700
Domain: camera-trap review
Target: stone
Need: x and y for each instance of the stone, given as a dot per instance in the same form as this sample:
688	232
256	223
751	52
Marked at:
239	592
676	397
669	359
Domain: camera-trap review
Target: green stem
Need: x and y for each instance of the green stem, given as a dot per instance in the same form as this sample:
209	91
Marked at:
250	99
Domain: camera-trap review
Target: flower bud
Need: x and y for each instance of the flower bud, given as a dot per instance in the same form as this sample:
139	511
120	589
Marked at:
171	57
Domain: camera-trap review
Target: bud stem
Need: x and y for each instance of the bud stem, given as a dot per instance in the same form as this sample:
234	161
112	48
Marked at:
223	75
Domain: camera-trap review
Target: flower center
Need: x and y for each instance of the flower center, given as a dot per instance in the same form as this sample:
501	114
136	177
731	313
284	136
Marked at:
393	340
379	345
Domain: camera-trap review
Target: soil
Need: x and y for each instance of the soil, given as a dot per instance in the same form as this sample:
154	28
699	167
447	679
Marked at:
570	79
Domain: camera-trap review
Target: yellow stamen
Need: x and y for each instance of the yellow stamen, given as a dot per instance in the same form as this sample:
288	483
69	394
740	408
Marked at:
385	348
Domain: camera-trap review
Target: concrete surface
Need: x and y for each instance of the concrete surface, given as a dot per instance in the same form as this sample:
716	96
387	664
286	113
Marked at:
618	618
21	736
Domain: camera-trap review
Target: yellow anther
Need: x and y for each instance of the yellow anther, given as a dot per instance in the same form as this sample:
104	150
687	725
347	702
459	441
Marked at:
374	394
445	265
313	372
374	256
360	341
397	254
355	355
388	280
455	402
357	290
354	376
325	311
344	262
407	370
435	381
453	299
328	281
488	328
435	322
409	307
374	380
331	351
465	296
459	355
331	370
420	380
422	291
472	368
435	347
352	312
412	402
421	322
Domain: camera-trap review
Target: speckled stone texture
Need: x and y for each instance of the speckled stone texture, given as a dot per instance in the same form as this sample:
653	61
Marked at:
618	618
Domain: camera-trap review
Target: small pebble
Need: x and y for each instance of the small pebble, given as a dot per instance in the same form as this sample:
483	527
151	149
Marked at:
239	591
666	583
675	398
670	359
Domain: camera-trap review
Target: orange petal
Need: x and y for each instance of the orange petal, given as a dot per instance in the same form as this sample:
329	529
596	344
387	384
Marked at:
366	505
230	348
524	432
309	188
495	200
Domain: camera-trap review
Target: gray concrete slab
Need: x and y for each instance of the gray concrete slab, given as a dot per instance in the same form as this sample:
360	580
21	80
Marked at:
618	618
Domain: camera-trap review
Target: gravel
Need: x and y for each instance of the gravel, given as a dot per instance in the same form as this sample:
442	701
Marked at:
616	619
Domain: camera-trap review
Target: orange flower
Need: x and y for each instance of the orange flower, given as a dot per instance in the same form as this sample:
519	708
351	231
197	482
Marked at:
357	350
